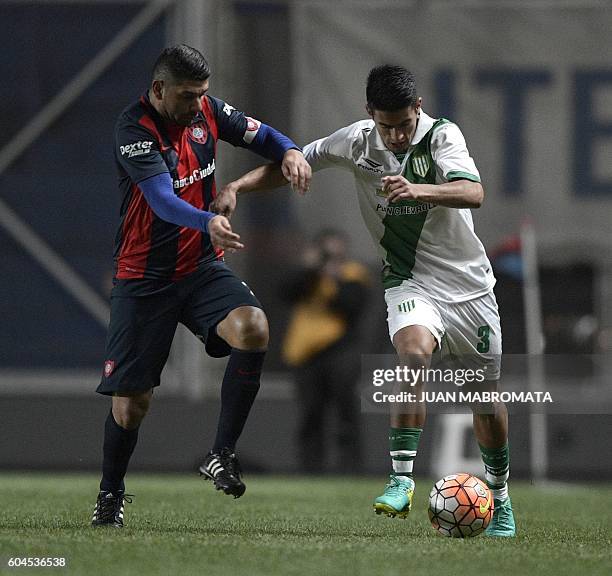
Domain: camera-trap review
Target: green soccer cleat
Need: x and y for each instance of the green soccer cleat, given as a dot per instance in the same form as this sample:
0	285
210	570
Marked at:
502	523
397	497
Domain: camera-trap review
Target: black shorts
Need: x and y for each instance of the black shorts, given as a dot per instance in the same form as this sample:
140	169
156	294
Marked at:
145	314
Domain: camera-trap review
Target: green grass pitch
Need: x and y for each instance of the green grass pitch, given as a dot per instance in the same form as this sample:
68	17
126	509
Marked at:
179	525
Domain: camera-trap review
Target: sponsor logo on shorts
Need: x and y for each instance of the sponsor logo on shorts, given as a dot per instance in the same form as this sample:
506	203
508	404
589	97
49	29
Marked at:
406	306
136	149
109	366
247	287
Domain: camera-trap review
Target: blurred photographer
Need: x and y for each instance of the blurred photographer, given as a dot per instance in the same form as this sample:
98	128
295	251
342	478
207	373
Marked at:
321	344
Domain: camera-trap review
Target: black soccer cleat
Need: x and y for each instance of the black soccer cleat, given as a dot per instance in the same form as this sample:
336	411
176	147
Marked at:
224	470
109	509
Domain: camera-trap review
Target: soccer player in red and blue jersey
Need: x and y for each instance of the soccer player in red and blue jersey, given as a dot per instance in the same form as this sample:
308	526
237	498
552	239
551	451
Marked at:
169	264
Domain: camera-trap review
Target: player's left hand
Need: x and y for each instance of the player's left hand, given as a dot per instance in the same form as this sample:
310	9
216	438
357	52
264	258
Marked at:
222	236
296	171
398	188
225	202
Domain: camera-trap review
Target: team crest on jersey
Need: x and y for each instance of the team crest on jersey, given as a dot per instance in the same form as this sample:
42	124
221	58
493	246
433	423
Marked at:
109	366
420	165
198	133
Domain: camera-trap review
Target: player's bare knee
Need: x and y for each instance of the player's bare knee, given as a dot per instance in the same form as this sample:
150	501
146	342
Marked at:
414	344
129	411
246	328
413	350
255	333
129	417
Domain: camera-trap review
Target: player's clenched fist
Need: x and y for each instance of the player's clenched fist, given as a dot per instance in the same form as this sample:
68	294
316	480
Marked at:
296	170
221	234
398	188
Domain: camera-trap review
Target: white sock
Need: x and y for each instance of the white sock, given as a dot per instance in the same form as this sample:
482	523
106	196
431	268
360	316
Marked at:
402	468
500	493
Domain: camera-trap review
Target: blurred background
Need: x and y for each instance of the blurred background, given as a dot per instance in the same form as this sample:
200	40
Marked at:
529	83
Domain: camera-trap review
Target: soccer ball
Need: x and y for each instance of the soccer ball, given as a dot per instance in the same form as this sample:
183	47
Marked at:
460	505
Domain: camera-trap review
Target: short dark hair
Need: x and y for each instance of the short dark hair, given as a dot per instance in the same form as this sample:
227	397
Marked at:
390	88
180	63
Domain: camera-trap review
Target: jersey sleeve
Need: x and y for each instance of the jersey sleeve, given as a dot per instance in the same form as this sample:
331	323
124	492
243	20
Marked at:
333	150
233	126
451	156
160	196
137	151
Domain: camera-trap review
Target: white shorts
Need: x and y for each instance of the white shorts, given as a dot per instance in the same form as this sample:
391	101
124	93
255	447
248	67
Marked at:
467	330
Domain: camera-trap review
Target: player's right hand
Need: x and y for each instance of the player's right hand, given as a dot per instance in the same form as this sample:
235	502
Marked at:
296	171
222	236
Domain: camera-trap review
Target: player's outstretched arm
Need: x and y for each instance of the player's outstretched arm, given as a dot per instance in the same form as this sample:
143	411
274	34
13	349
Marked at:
293	170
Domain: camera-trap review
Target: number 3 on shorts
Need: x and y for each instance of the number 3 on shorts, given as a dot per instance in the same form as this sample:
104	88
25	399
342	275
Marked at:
483	334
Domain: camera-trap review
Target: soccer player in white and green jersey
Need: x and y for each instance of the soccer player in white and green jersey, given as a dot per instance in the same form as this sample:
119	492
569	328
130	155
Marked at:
416	183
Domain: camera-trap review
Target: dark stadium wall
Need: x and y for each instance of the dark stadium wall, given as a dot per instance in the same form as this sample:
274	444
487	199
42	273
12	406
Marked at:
177	432
65	184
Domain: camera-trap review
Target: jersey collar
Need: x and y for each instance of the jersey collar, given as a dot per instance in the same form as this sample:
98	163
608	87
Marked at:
146	101
424	126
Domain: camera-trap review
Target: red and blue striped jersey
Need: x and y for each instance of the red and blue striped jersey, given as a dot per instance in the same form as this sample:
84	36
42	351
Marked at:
145	145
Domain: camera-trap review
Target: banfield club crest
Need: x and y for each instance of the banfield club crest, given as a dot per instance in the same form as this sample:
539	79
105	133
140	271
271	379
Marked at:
198	133
420	165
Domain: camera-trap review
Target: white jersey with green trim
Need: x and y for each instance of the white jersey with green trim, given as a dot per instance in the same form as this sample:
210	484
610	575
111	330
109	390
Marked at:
433	247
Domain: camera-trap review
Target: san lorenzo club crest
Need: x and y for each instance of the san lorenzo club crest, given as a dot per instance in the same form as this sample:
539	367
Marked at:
420	165
198	133
109	366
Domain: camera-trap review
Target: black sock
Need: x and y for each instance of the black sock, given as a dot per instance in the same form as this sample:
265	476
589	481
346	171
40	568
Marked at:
240	386
119	444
